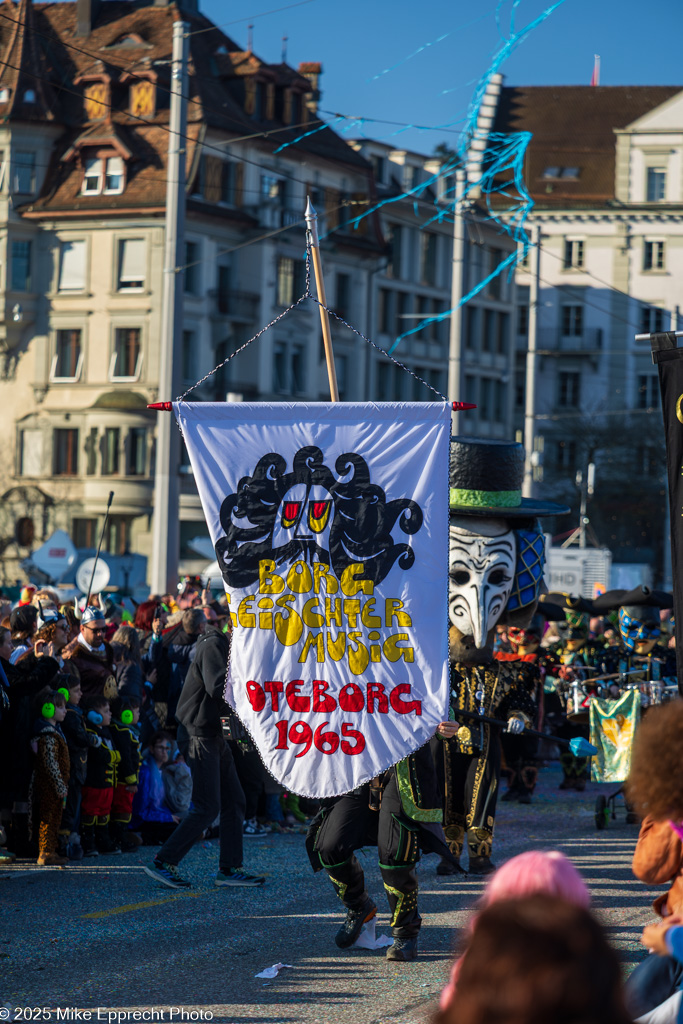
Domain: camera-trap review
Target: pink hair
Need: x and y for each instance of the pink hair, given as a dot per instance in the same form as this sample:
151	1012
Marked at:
537	871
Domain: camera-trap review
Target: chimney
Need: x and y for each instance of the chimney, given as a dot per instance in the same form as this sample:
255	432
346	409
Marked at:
312	71
86	12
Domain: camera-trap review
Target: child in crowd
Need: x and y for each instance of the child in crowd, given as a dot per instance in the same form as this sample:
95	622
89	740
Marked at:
536	871
151	814
50	779
78	740
125	717
100	780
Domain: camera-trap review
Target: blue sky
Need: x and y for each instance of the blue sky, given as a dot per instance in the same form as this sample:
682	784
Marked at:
358	40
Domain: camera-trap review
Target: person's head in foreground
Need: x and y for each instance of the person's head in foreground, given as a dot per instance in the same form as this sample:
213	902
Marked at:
547	872
654	786
537	960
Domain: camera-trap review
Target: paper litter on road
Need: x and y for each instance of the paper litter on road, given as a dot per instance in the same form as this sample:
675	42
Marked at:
368	940
272	972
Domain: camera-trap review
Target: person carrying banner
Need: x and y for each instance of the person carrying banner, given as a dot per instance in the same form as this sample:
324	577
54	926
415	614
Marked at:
400	813
496	562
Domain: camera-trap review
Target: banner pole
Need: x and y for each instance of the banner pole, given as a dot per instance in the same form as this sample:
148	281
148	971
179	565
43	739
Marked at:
99	547
313	243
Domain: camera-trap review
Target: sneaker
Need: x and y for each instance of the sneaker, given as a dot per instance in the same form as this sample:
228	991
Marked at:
236	876
403	950
355	919
167	874
252	830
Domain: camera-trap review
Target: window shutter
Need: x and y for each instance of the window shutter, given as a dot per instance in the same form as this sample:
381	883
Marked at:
249	95
132	260
213	174
72	268
332	201
270	102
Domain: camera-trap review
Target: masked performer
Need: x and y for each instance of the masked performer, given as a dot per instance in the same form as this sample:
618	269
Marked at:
496	569
640	631
528	660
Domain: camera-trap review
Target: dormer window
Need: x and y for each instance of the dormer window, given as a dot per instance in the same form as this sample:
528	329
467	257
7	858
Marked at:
96	100
142	99
30	96
103	175
4	95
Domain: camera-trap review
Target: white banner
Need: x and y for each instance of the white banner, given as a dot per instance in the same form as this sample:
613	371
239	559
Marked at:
330	523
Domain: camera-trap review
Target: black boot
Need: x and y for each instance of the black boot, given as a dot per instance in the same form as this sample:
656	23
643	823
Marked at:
403	950
479	845
88	836
356	917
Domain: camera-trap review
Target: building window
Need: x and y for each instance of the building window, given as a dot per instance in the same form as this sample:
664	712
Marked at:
117	537
565	455
72	266
84	532
656	184
21	267
136	462
341	365
404	305
31	442
90	447
125	360
298	370
572	321
520	380
471	326
92	177
342	304
523	320
65	452
648	391
428	258
113	175
436	327
651	320
189	356
489	330
280	369
68	357
378	167
290	280
223	289
569	390
502	333
495	286
289	369
385	307
471	395
653	256
573	253
499	401
485	408
131	264
24	177
110	451
191	273
395	247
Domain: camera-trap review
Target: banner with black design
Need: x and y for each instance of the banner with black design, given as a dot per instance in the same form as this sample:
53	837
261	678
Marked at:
669	360
330	525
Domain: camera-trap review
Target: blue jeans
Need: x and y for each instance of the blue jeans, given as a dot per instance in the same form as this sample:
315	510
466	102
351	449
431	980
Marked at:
653	980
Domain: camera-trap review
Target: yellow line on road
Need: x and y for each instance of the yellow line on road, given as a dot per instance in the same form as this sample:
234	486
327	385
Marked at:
139	906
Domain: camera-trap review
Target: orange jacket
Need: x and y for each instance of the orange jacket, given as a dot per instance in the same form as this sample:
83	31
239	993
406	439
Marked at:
658	859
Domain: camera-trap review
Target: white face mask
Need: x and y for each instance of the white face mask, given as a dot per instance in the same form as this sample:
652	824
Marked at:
482	555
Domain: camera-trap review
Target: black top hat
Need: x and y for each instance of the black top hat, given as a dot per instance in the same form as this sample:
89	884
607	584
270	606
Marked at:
639	597
569	603
550	611
486	480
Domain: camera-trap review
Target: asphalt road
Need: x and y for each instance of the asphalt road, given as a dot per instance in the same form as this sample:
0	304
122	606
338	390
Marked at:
102	936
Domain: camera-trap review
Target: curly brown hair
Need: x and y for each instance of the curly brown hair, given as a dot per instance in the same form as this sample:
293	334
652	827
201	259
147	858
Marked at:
655	782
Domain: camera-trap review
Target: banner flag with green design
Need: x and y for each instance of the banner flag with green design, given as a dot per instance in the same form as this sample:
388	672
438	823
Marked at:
613	726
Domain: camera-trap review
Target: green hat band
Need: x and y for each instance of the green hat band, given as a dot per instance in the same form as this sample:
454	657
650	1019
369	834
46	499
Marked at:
485	499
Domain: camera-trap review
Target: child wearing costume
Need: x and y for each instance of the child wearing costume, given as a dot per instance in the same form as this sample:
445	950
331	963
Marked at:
50	779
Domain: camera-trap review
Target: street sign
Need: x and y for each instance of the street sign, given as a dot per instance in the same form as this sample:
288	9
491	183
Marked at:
100	579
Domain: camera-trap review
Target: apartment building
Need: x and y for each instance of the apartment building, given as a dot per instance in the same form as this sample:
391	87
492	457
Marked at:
83	148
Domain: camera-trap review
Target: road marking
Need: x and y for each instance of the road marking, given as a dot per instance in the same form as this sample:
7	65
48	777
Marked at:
128	907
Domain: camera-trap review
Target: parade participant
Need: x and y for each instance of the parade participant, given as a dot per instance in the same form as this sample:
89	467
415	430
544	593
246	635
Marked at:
125	717
496	570
98	792
78	740
640	630
50	780
400	814
93	656
528	660
572	654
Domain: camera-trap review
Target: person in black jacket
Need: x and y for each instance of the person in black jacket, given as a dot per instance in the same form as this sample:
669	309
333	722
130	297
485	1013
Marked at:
78	740
125	717
215	785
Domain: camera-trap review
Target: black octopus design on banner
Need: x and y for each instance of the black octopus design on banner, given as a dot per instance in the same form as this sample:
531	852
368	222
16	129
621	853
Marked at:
309	514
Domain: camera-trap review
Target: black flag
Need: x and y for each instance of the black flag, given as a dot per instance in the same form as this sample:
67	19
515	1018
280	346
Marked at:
669	361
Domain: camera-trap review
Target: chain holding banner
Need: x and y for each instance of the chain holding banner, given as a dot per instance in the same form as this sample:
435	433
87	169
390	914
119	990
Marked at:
330	525
613	726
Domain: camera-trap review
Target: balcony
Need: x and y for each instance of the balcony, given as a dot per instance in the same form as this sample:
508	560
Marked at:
241	307
552	341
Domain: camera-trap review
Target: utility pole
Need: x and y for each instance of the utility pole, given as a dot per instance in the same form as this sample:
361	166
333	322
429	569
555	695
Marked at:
166	526
455	336
530	391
